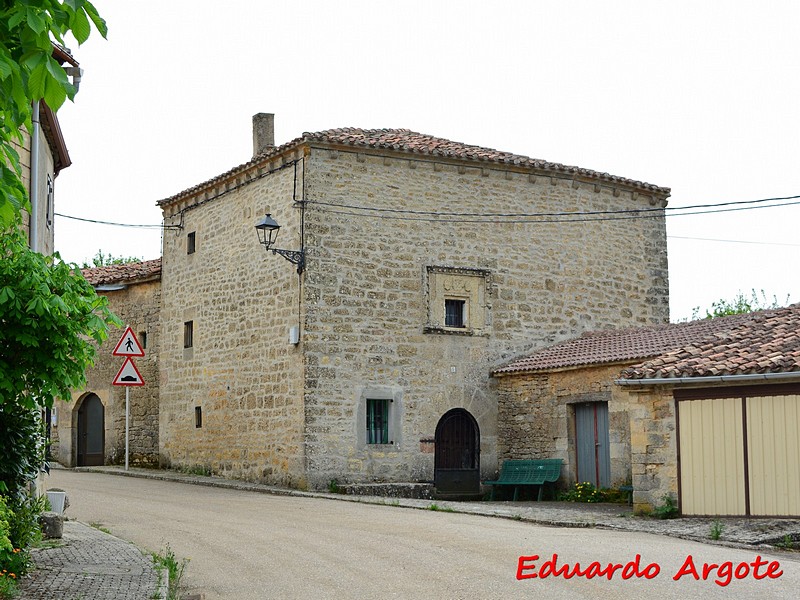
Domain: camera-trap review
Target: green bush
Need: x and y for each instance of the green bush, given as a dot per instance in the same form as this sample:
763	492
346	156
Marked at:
583	491
667	510
21	446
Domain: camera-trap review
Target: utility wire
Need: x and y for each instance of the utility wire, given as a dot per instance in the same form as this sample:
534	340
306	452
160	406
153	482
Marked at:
682	237
512	218
117	224
559	214
534	218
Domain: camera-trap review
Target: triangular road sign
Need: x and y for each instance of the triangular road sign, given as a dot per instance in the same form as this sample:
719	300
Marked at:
128	345
128	374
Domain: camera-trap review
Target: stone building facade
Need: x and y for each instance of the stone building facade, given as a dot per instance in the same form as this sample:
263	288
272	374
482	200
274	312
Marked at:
426	264
134	295
43	154
640	399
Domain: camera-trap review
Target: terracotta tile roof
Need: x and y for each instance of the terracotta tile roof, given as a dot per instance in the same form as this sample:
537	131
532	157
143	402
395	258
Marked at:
619	345
767	342
127	273
405	140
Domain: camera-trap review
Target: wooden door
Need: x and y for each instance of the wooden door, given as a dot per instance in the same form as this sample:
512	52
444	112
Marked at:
457	460
91	432
592	452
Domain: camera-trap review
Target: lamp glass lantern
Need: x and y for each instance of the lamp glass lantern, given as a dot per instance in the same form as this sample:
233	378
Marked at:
267	230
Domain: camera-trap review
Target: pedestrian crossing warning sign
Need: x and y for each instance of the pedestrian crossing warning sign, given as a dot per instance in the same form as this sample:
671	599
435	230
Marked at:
128	345
128	374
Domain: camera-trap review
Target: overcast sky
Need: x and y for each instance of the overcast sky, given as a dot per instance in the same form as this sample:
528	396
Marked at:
701	97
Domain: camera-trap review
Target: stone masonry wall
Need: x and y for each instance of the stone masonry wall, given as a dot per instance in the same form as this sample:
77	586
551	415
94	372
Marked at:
241	373
138	306
537	417
654	448
367	329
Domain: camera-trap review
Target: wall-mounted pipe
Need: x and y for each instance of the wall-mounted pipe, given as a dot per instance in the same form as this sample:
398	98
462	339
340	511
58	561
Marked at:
745	378
34	179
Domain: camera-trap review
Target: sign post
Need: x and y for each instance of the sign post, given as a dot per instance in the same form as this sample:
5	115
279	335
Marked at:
128	375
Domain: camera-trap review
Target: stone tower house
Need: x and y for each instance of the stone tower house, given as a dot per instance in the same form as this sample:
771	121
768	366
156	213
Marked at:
426	263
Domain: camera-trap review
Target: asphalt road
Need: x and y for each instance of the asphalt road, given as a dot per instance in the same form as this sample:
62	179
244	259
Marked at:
244	545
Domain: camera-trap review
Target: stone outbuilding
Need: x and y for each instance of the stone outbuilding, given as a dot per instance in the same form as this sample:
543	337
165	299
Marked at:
417	264
706	412
89	429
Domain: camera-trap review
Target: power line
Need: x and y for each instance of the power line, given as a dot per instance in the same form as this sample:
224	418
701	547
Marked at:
681	237
116	224
559	214
513	218
534	218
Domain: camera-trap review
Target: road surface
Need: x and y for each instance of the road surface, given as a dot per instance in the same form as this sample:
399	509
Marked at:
251	546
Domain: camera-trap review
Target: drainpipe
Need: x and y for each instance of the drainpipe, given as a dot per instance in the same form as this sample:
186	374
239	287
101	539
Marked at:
712	379
34	193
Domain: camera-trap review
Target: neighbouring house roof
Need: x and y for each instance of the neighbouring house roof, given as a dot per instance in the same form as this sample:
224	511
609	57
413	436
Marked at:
407	141
766	342
135	272
739	344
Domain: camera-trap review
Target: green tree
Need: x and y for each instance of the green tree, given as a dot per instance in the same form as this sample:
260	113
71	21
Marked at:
103	260
51	323
739	305
29	73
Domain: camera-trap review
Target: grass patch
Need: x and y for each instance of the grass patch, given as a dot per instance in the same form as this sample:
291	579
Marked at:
715	531
99	527
436	508
166	563
667	510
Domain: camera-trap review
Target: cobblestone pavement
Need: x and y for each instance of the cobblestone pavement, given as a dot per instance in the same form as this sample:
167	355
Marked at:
88	564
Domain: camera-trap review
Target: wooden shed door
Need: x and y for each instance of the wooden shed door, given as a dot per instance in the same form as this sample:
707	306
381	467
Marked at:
458	449
591	432
91	432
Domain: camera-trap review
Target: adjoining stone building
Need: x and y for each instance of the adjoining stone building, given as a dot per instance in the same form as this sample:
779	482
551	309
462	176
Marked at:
89	428
705	412
424	263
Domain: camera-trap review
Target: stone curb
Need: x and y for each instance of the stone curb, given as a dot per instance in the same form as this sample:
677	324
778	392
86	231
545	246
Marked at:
589	515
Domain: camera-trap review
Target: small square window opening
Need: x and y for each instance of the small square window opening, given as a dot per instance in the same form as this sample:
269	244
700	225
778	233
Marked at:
377	421
454	313
190	243
188	334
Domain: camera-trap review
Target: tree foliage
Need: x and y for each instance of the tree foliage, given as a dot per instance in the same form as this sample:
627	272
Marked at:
29	73
51	321
739	305
103	260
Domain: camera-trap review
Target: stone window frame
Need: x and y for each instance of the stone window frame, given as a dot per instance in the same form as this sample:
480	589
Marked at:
476	301
191	242
395	409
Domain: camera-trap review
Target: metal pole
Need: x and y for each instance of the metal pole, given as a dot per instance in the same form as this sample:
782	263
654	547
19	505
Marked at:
127	420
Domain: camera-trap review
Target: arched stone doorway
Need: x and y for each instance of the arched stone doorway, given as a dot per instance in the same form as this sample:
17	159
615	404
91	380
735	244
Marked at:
91	432
457	461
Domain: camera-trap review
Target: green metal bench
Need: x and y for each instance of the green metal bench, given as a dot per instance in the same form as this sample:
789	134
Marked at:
527	472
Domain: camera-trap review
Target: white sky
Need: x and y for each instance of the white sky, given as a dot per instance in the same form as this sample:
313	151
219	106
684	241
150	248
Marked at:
698	96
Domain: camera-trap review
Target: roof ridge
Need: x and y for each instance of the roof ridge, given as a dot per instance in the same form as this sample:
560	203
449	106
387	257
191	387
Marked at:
407	140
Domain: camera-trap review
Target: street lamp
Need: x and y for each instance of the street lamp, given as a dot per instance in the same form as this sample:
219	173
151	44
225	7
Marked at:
267	231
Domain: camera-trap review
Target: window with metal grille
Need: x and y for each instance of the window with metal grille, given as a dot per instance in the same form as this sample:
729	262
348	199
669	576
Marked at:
454	313
377	421
188	334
